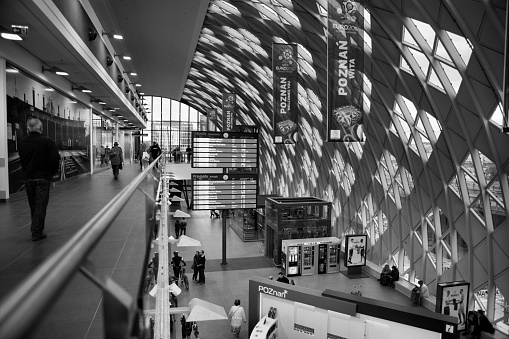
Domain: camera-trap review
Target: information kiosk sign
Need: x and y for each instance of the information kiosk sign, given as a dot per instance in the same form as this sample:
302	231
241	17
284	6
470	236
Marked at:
224	149
224	191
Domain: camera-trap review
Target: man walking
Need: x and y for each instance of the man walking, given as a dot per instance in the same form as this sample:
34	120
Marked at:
117	158
155	151
39	161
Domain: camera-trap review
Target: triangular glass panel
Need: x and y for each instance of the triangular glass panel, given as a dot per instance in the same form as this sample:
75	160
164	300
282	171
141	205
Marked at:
408	38
453	75
463	46
441	51
412	145
421	60
498	213
433	80
435	125
411	107
426	30
405	127
404	65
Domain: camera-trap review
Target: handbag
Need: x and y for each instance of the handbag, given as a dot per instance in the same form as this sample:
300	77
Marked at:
145	156
120	166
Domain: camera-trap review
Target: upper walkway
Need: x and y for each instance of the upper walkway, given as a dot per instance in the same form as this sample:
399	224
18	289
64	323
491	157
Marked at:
78	312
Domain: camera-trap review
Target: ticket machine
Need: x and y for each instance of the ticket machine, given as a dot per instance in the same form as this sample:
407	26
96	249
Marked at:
291	257
308	259
310	256
322	258
333	258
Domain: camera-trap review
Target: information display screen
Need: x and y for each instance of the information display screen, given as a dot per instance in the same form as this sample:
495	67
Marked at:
224	149
224	191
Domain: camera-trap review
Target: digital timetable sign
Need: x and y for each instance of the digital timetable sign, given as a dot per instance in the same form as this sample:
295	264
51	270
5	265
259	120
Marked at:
224	191
224	149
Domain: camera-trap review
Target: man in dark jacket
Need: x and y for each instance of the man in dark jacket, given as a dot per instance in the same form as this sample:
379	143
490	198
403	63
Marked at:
39	161
155	151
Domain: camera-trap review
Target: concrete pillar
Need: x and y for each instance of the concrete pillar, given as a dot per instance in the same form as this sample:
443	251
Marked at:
4	154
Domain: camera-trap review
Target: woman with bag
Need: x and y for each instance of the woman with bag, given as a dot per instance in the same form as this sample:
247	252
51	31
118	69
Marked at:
236	316
143	156
194	266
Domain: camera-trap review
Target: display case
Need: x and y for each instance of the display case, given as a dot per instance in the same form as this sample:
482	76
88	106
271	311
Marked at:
294	218
249	223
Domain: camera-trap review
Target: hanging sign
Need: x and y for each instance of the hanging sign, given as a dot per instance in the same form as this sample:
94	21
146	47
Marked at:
211	119
345	55
229	103
285	91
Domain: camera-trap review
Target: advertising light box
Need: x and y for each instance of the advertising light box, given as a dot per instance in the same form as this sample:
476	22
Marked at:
224	149
224	191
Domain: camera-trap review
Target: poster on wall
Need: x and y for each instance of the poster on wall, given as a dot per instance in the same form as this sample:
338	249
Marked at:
452	299
285	93
345	59
229	104
211	119
355	250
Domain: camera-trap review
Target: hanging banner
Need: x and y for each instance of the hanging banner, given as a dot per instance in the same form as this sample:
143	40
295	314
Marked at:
211	119
345	61
285	91
229	103
203	122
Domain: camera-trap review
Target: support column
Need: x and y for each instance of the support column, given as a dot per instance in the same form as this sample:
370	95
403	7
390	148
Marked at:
4	152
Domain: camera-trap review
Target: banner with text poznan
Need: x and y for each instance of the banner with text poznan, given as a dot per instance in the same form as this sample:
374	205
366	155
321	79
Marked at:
345	60
229	103
285	91
211	119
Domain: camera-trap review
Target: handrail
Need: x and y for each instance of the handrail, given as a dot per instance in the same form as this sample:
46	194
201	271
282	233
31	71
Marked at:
22	309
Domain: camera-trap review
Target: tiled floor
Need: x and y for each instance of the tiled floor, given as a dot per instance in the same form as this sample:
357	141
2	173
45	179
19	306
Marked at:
78	312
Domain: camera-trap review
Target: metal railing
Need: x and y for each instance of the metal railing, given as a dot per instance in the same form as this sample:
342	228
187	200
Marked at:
24	308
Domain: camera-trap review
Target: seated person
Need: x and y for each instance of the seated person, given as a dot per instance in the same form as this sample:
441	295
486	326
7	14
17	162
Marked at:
282	278
483	325
393	276
385	275
471	323
419	292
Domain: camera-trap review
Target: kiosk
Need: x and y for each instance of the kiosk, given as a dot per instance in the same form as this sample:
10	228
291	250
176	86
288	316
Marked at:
310	256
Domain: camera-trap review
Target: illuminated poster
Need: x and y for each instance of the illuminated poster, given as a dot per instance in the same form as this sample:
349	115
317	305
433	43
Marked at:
285	91
355	250
345	62
229	102
212	119
452	299
203	122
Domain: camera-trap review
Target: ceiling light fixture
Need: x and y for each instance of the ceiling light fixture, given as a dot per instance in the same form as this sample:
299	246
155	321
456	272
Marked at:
125	57
81	88
100	102
131	73
113	35
55	70
11	70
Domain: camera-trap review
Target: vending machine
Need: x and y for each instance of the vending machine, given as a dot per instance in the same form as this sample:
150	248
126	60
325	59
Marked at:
291	256
308	259
333	258
322	258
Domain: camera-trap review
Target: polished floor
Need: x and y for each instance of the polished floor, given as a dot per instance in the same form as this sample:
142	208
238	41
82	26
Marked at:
78	312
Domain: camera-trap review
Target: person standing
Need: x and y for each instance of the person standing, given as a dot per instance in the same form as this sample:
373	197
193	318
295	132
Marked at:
117	158
107	155
177	262
40	160
189	152
201	268
183	226
177	228
141	152
282	278
155	151
195	265
237	316
103	153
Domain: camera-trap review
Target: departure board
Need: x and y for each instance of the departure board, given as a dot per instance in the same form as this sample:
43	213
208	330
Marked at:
224	191
224	149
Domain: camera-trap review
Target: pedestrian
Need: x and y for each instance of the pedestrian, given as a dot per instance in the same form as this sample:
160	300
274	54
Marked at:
155	151
103	153
189	152
236	315
201	268
195	265
483	325
117	159
394	276
282	278
40	160
107	155
187	327
177	262
419	292
142	152
183	226
177	228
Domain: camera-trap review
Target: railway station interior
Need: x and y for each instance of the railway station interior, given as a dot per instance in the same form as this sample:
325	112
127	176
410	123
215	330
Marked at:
424	179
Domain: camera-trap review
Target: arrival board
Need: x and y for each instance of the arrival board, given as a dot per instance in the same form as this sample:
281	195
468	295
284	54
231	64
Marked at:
224	191
224	149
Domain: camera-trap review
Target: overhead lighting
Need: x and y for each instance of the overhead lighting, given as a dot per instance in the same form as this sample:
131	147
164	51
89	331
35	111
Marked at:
138	85
55	70
73	102
113	35
131	73
49	89
11	70
125	57
81	88
11	36
100	102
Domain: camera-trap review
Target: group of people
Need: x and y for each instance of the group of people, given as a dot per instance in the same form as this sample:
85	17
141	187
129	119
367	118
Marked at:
476	323
389	276
147	155
179	156
180	227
